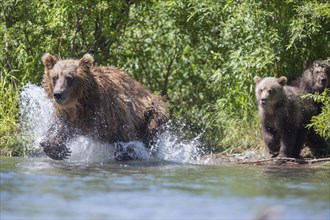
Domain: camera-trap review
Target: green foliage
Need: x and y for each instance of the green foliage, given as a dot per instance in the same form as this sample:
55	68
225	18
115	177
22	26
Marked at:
10	142
321	122
309	28
201	55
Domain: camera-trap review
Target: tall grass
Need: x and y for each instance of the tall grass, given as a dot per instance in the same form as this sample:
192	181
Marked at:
10	141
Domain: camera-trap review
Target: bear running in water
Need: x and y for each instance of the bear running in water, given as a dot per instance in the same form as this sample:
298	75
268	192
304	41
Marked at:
282	115
102	102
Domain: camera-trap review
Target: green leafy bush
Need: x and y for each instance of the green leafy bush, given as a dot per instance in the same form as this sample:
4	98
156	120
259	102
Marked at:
321	122
201	55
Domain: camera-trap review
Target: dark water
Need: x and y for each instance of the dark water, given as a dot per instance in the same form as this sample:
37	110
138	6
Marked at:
43	188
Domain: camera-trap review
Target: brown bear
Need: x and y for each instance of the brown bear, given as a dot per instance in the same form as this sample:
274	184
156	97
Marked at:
104	103
281	116
315	79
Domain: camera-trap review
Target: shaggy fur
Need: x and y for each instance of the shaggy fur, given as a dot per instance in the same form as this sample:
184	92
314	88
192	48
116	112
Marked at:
281	116
102	102
315	79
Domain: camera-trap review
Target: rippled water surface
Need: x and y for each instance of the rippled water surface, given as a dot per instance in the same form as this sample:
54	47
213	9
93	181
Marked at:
43	188
174	183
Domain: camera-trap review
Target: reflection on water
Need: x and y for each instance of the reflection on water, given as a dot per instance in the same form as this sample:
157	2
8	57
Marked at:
43	188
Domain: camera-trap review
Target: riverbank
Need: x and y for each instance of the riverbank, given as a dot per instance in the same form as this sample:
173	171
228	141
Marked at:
217	159
260	158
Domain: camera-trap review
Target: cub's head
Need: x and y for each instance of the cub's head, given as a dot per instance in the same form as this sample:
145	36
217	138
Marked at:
64	79
269	90
317	75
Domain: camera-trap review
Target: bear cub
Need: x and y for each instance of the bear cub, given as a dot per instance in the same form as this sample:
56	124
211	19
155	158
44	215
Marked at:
281	116
315	79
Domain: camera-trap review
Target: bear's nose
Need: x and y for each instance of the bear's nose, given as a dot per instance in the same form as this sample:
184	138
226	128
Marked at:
323	80
57	95
263	101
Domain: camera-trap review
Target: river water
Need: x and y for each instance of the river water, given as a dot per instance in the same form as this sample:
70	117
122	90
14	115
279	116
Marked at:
33	188
177	182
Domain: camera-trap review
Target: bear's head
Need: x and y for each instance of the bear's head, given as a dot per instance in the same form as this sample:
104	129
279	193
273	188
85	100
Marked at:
64	79
269	90
317	75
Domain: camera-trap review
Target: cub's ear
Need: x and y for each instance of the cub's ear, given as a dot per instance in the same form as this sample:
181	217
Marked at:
48	60
257	79
282	80
86	61
307	64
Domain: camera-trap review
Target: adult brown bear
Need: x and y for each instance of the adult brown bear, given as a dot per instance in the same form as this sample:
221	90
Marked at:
102	102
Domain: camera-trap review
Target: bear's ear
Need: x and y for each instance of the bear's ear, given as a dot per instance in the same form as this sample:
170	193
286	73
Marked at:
307	64
86	61
48	60
282	80
257	79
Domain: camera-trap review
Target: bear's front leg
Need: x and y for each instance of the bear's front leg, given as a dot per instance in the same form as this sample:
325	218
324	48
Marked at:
56	151
53	142
272	140
125	153
154	122
289	133
287	143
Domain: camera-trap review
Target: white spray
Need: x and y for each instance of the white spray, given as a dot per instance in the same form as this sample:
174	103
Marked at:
37	114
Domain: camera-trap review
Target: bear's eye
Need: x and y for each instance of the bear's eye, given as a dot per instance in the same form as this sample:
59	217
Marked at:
271	91
54	79
69	81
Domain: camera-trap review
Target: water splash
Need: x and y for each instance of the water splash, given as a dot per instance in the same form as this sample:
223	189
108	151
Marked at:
173	148
37	114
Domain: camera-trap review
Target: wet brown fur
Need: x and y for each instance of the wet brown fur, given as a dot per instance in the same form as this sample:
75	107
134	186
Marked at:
103	102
